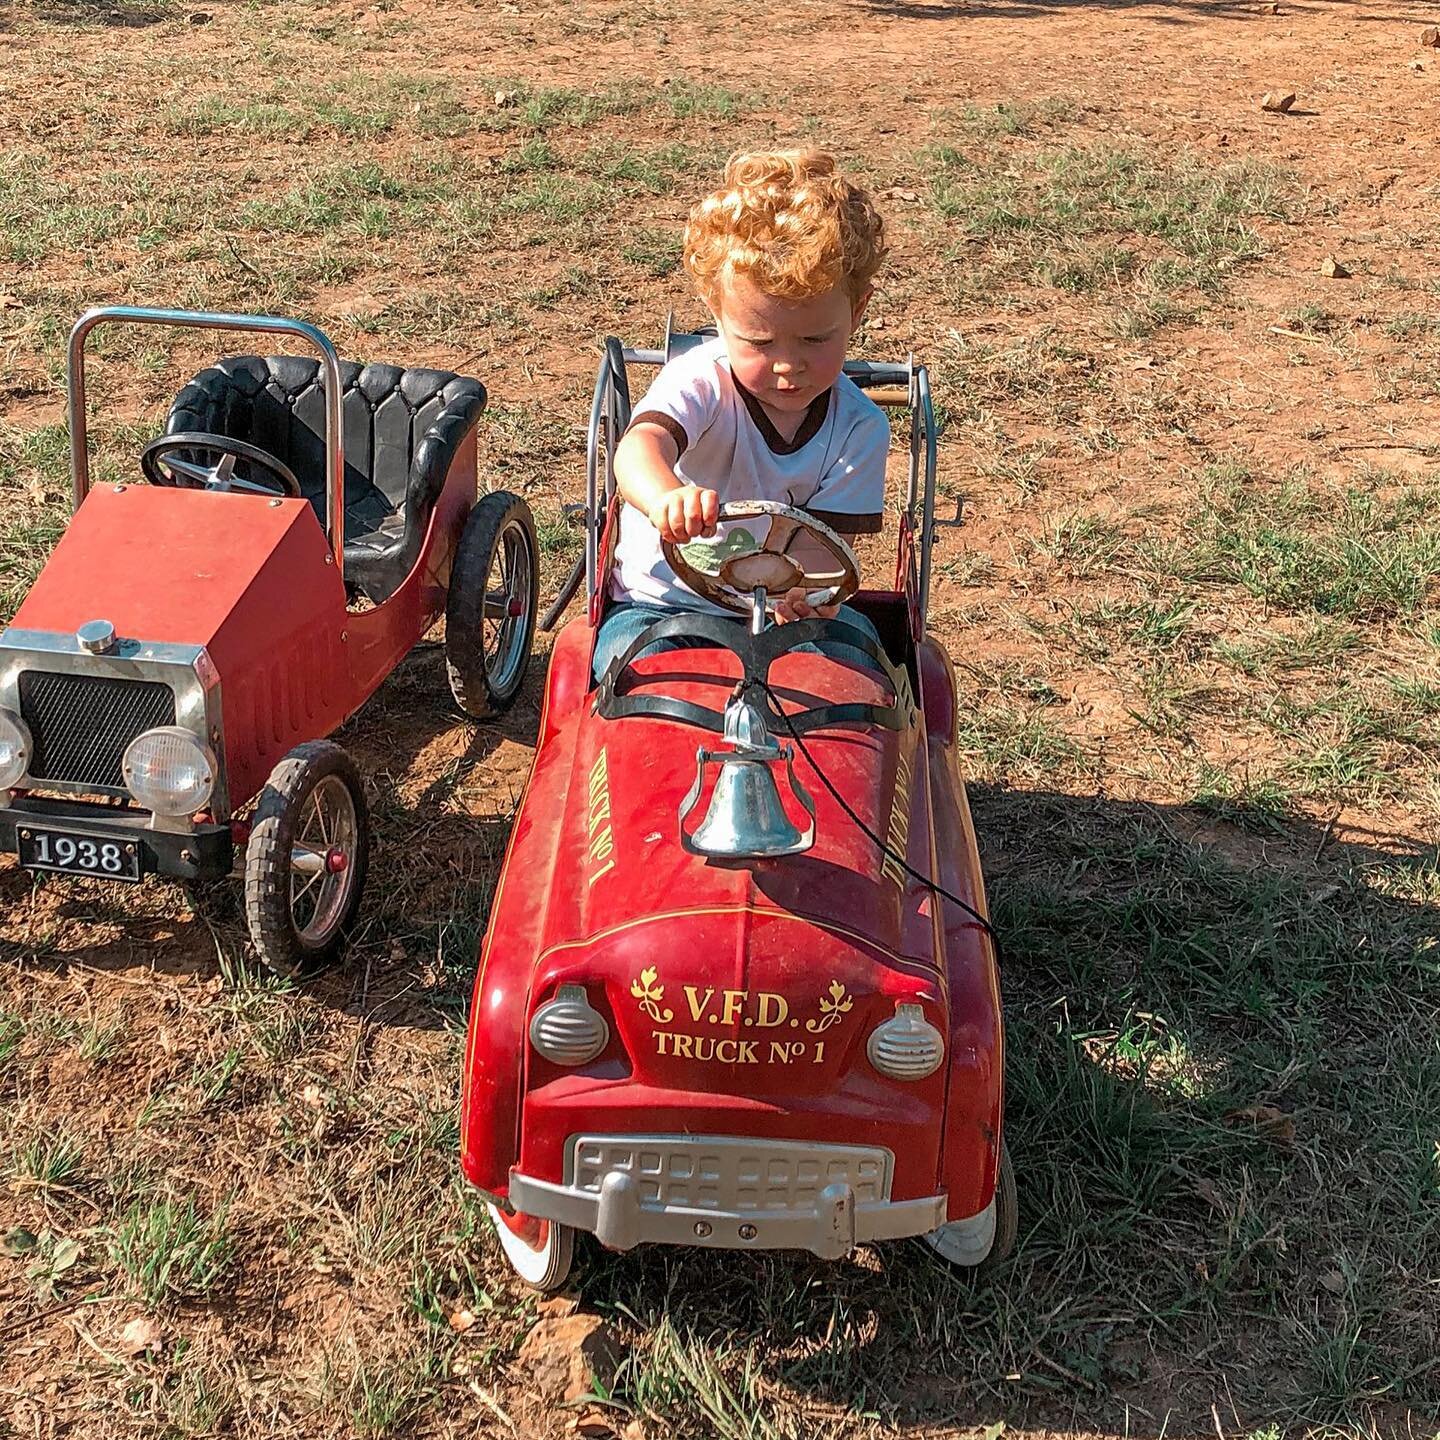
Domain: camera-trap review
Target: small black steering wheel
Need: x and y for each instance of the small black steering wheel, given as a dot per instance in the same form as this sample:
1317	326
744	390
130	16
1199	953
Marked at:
161	466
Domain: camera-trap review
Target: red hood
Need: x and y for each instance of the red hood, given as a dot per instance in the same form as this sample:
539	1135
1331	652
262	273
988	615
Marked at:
619	862
175	566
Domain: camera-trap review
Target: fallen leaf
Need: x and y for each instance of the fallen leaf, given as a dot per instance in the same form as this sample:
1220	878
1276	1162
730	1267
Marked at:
1145	362
142	1334
199	17
1278	102
16	1242
461	1320
995	1431
1206	1190
1334	1282
506	98
1268	1120
313	1096
558	1305
67	1252
899	192
1430	37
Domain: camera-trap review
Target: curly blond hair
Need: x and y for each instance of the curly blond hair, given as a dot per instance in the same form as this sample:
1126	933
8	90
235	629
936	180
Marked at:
790	223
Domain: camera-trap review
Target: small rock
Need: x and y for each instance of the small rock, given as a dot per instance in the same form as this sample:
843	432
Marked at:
504	99
142	1334
1430	37
564	1353
1278	102
461	1320
557	1305
899	192
200	17
1417	65
1332	269
313	1096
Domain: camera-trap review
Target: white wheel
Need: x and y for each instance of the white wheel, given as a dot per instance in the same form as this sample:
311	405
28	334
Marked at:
539	1251
965	1244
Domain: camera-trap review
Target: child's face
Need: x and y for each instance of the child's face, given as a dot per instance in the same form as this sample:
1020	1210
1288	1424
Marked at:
786	352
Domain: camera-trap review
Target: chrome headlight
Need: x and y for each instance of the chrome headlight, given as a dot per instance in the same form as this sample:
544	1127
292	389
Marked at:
169	771
15	749
906	1046
568	1030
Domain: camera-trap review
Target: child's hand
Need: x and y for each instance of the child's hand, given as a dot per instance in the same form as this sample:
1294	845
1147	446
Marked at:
685	514
793	605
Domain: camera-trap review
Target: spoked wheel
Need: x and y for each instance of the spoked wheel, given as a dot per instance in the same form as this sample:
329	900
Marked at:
947	1241
306	858
490	611
540	1251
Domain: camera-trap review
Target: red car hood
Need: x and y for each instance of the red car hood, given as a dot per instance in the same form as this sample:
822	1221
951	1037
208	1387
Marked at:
620	863
174	566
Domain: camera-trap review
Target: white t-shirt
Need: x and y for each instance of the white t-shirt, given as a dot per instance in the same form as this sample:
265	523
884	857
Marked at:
834	467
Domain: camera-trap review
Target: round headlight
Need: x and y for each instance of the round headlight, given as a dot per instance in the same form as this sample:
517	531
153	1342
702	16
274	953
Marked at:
14	749
568	1030
169	771
906	1046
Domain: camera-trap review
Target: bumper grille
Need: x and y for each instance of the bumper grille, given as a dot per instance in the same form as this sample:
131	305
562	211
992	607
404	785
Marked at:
81	724
731	1176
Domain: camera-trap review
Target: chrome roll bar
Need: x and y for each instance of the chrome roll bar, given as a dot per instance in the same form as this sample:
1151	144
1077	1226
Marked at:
208	320
908	383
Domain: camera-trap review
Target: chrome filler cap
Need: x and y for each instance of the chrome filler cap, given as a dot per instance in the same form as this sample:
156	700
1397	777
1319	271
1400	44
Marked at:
96	636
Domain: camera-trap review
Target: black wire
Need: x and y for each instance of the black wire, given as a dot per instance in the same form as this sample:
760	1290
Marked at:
884	849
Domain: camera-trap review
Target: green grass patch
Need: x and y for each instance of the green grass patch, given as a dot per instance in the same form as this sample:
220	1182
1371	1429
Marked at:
1354	553
1070	217
170	1248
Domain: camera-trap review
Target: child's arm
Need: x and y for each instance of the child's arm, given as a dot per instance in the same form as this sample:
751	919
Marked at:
645	476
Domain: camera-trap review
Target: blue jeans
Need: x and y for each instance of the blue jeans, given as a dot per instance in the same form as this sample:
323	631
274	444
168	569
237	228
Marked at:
626	620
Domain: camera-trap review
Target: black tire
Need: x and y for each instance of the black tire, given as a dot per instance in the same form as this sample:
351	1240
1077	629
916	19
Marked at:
315	783
1007	1214
487	668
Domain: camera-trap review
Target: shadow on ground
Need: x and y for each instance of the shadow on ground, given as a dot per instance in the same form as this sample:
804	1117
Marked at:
1222	1090
440	814
1165	12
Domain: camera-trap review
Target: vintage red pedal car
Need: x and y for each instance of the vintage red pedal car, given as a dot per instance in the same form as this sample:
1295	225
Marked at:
300	524
709	1014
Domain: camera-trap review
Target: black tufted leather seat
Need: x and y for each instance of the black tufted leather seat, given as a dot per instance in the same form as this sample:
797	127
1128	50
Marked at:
403	429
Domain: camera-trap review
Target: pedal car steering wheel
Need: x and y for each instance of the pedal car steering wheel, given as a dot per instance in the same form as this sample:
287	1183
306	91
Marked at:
161	466
797	550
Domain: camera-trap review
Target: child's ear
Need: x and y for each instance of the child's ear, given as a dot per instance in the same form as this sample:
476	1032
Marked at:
857	308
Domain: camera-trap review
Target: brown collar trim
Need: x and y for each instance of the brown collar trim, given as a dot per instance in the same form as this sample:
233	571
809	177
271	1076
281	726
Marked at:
775	442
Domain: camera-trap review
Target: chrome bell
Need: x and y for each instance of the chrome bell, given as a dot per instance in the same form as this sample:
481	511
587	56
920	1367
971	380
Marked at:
746	819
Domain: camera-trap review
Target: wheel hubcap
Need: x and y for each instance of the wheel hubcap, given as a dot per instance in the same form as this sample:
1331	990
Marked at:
507	598
321	873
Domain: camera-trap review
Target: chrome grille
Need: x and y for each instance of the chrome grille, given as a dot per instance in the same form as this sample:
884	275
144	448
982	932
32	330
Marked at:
81	724
730	1175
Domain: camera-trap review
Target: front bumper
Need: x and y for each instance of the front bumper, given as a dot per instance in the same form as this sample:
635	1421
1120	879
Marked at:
733	1193
206	852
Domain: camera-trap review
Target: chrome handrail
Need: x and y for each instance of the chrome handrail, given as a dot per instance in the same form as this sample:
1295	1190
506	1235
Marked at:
210	320
606	421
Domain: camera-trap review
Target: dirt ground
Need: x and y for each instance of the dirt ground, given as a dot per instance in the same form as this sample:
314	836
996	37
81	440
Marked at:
1186	565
